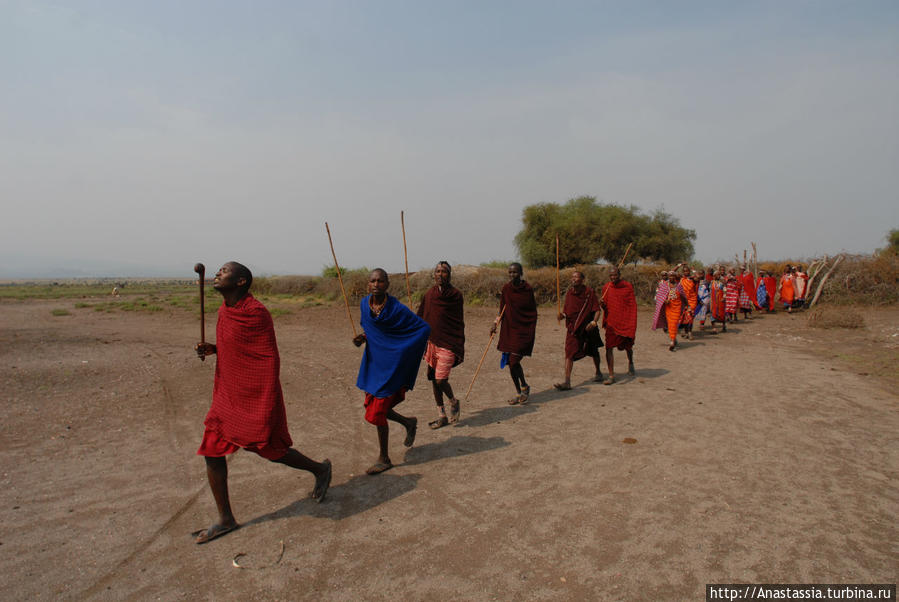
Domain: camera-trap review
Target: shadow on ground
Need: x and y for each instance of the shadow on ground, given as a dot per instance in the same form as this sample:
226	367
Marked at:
358	494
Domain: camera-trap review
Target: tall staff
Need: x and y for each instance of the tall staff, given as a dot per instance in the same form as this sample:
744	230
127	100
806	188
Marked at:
486	349
346	300
558	284
406	258
620	263
200	269
626	251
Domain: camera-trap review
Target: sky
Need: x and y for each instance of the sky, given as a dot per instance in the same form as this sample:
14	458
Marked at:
137	138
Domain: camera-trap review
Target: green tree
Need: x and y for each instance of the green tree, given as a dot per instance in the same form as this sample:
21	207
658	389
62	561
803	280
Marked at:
589	231
893	240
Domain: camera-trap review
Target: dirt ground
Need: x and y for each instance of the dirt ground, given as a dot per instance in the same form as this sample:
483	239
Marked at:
767	454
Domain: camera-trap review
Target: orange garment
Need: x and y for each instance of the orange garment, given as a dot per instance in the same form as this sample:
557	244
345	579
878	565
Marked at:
674	307
692	299
786	289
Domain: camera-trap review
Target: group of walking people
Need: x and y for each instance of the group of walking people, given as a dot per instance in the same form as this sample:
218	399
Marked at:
685	296
247	410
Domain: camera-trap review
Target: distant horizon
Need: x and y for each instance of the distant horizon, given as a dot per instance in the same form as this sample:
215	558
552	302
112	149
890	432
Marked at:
150	272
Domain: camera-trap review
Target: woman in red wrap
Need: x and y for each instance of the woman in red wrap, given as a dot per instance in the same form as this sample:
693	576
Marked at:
581	336
442	308
619	319
518	314
247	405
690	285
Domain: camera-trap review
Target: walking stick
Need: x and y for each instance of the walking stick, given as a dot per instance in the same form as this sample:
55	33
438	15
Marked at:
200	269
558	285
620	263
486	349
406	257
626	251
346	300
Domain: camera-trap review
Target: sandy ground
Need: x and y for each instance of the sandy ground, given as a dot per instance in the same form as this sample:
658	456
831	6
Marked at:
761	455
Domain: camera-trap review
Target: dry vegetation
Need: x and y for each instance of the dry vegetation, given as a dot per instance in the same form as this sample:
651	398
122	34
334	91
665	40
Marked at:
858	279
829	316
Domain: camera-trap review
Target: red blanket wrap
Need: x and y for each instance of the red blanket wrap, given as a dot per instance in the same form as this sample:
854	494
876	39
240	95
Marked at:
620	316
442	310
580	307
771	288
519	324
749	287
247	404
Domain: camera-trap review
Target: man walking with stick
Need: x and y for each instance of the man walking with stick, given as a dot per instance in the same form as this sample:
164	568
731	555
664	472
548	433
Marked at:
395	340
582	336
247	409
441	308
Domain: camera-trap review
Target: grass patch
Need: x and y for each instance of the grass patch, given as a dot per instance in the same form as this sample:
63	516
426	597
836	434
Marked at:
82	305
279	311
835	317
60	312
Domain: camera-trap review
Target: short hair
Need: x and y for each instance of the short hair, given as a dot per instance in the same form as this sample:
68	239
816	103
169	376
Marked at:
578	272
445	263
382	271
244	272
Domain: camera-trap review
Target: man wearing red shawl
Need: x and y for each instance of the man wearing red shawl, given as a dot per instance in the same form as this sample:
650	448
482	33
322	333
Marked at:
582	335
518	314
395	340
619	320
247	404
689	285
670	304
441	308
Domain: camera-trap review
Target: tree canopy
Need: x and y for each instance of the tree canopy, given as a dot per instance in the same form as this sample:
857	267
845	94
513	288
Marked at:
589	231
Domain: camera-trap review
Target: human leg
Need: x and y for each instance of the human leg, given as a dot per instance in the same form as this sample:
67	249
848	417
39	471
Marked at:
217	475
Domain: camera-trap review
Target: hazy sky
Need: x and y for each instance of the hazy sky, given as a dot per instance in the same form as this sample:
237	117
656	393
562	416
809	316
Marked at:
137	138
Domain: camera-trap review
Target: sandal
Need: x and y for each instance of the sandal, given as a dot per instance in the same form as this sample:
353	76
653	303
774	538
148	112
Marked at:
514	401
454	411
562	387
440	422
525	393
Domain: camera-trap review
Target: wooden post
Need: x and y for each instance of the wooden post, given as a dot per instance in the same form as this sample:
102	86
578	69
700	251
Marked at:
406	258
824	280
346	299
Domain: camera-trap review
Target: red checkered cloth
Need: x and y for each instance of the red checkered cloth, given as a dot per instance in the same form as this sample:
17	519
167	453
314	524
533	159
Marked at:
620	315
247	403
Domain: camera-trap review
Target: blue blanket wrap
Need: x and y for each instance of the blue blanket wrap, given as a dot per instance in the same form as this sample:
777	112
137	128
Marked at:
396	342
762	294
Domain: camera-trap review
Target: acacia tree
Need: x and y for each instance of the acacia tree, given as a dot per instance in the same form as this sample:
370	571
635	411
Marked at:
589	231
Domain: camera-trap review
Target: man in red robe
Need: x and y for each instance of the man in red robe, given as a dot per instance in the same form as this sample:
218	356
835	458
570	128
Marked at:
581	336
247	404
441	307
518	315
619	320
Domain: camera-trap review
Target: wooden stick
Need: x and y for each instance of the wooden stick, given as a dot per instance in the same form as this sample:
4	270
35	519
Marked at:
486	349
558	283
824	280
200	269
406	257
755	261
346	299
626	251
620	263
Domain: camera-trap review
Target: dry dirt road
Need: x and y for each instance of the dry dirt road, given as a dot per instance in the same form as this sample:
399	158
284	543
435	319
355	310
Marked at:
761	455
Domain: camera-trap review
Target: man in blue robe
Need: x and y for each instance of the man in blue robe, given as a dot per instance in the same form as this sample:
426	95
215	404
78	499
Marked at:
395	340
